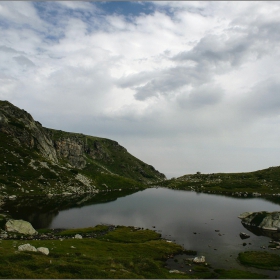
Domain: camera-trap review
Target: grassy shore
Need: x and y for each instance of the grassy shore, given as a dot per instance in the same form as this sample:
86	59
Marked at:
121	252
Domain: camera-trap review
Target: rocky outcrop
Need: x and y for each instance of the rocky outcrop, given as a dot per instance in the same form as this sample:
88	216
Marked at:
25	130
263	220
72	150
20	226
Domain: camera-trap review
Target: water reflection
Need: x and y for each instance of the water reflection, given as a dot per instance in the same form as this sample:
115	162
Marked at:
40	211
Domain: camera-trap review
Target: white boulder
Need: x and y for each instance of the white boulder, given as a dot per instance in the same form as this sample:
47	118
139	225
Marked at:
43	250
27	247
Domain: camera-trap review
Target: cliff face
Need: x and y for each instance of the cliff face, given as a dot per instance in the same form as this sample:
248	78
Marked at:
92	157
25	131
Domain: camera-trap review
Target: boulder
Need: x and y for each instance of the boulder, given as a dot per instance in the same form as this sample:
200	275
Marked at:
27	247
43	250
20	226
264	220
78	236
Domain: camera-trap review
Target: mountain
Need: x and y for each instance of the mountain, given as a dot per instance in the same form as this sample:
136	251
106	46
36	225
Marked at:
39	160
261	182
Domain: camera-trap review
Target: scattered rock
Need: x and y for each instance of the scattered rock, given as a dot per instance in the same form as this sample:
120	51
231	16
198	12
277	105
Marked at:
20	226
78	236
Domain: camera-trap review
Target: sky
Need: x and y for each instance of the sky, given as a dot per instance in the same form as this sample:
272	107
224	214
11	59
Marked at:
184	86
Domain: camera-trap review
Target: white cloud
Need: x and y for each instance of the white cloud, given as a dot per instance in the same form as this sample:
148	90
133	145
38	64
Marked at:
188	87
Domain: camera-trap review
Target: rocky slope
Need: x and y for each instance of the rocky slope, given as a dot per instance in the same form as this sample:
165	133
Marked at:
39	160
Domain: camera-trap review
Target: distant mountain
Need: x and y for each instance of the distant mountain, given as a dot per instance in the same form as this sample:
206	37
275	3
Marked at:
39	160
261	182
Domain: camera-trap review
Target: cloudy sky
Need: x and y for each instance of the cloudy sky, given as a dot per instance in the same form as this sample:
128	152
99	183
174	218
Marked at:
185	86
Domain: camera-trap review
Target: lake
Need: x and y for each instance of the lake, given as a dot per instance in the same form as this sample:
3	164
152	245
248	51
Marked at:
208	224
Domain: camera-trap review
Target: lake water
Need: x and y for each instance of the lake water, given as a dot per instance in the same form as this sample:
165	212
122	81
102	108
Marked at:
208	224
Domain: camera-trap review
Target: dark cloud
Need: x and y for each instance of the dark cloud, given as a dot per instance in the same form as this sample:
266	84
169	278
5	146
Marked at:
24	61
6	49
164	82
201	96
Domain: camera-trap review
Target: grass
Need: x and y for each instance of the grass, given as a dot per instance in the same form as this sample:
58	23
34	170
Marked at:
90	258
260	259
72	232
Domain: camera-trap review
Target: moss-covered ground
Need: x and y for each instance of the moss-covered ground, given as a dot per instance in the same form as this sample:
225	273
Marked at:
260	259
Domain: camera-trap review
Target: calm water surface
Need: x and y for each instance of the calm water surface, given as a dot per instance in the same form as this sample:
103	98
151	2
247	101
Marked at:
205	223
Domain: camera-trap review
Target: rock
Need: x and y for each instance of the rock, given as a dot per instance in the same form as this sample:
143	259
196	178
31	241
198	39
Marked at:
43	250
244	235
244	215
27	247
176	271
264	220
78	236
199	259
20	226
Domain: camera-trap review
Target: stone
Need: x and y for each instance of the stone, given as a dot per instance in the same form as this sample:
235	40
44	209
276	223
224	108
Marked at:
27	247
20	226
199	259
78	236
43	250
176	271
244	235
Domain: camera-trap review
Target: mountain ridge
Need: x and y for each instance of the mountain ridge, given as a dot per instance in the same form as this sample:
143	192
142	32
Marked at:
45	159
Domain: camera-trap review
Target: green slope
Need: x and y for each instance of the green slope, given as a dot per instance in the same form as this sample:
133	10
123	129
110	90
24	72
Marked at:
266	181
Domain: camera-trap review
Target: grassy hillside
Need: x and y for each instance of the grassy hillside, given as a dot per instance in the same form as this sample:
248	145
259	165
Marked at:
263	182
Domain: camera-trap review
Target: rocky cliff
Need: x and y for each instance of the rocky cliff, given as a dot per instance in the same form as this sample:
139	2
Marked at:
46	160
